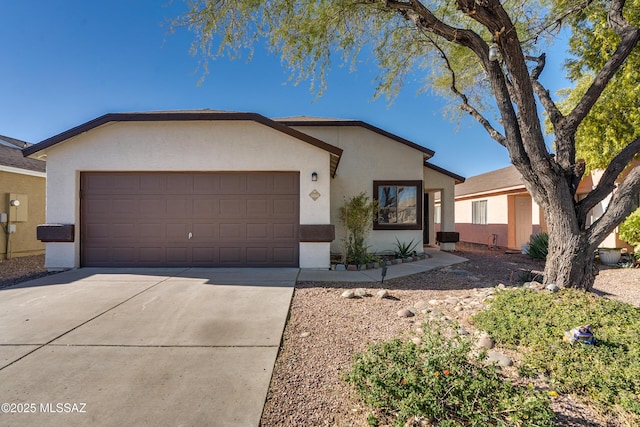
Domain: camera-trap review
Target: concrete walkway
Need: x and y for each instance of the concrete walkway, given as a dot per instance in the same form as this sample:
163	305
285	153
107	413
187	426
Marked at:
156	347
437	259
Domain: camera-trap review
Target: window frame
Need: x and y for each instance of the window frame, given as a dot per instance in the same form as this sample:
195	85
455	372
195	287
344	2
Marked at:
478	221
419	201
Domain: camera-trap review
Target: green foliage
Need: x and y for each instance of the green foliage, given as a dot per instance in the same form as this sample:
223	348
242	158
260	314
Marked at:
629	230
539	246
404	249
535	322
440	381
357	217
614	121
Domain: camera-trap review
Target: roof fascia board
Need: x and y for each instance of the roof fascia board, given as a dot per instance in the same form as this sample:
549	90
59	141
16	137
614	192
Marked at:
458	178
178	116
344	123
22	171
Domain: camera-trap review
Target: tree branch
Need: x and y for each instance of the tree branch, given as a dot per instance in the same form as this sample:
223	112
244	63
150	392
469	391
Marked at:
607	182
543	94
620	206
497	136
630	35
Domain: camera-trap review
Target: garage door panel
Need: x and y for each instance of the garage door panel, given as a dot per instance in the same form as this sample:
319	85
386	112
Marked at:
284	207
284	231
144	219
258	231
231	232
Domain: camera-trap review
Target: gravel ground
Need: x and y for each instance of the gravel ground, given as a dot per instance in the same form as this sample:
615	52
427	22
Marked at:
21	269
324	330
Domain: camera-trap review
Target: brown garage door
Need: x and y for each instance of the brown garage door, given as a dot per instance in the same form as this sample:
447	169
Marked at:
189	219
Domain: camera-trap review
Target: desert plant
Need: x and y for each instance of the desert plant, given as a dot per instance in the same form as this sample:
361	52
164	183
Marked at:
441	381
539	246
403	249
629	230
535	322
357	217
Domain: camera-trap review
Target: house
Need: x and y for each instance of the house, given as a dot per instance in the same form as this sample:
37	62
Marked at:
22	200
215	189
495	209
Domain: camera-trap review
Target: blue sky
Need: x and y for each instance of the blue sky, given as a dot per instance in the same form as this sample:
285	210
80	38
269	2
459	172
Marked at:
65	62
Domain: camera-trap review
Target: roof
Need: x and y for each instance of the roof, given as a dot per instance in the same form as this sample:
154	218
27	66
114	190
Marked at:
316	121
13	158
13	142
190	115
458	179
491	182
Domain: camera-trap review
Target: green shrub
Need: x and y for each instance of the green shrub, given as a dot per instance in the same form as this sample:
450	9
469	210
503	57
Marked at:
630	229
403	249
357	217
534	322
441	382
539	246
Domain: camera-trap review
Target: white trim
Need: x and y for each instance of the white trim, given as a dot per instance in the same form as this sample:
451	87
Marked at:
23	171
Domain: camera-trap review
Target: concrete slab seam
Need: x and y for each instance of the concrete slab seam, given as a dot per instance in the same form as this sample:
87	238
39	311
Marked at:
85	322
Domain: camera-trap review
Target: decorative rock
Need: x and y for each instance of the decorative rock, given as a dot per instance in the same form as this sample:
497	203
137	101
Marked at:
501	286
485	341
360	292
499	358
534	285
382	294
397	261
419	331
434	302
362	267
420	305
463	332
405	312
374	265
341	267
552	287
458	308
408	259
416	340
451	300
388	263
352	267
436	313
349	293
305	334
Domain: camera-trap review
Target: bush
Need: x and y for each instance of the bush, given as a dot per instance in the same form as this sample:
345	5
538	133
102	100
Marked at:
630	229
357	217
404	250
539	246
608	373
441	382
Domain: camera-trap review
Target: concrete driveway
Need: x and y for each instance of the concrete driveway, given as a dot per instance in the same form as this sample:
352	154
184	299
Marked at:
157	347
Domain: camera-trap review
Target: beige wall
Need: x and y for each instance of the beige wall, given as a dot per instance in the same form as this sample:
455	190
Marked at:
369	156
183	146
31	184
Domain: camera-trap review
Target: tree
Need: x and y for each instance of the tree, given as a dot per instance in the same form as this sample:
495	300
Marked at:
450	40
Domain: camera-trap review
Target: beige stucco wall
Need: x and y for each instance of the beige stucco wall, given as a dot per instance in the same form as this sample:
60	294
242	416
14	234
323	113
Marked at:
436	182
183	146
370	156
31	184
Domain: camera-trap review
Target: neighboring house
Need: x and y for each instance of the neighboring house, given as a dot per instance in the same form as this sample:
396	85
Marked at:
214	189
495	209
22	200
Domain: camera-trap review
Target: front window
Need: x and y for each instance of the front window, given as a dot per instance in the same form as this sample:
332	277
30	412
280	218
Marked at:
400	205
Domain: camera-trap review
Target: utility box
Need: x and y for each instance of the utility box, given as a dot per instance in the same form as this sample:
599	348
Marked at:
3	217
18	207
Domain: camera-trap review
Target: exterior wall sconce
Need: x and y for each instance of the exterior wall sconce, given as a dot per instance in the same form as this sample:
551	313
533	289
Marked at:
15	203
314	176
494	52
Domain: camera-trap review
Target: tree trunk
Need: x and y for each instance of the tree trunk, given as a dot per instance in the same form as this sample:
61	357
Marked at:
570	259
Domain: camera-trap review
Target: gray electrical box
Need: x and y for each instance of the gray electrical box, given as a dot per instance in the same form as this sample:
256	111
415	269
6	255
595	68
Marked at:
3	217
